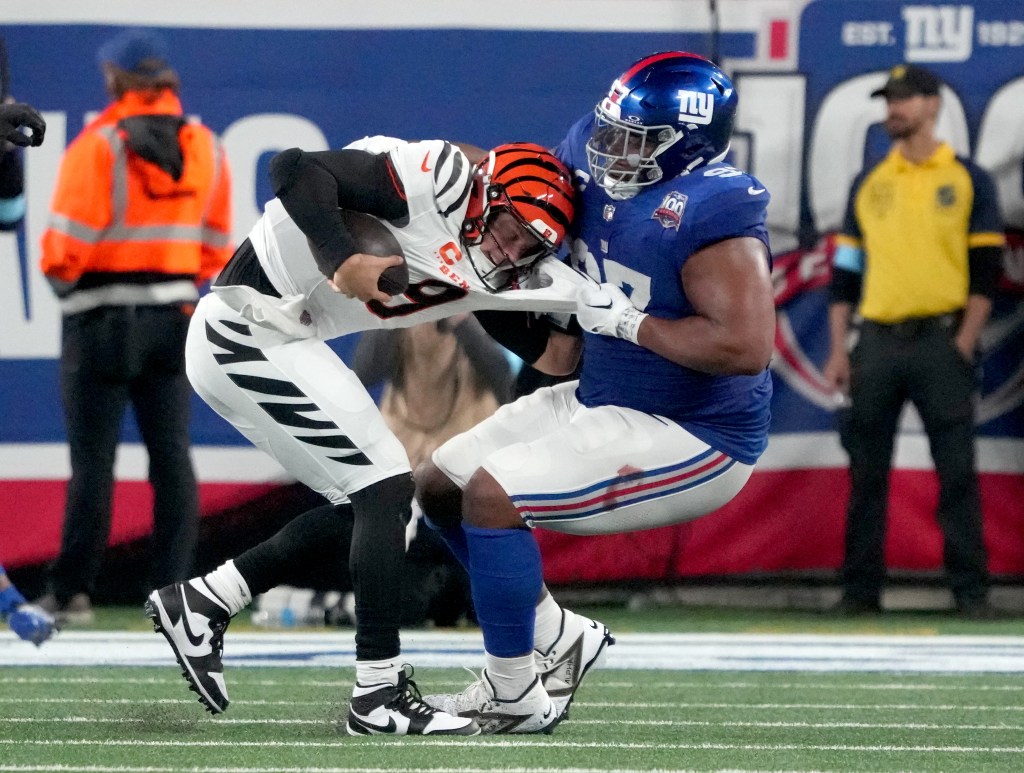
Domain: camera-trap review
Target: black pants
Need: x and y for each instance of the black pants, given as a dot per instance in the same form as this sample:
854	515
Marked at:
111	356
890	365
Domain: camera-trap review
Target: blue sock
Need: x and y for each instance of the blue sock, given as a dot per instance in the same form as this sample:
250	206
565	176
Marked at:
505	570
455	538
10	600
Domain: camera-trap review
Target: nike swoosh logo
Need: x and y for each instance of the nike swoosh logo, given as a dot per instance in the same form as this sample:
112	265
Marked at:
754	191
548	712
194	640
390	727
424	166
600	306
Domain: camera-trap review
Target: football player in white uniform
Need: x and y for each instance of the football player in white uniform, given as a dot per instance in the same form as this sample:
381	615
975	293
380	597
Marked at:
671	409
473	237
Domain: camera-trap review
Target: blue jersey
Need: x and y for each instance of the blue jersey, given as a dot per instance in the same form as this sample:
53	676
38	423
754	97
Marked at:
642	244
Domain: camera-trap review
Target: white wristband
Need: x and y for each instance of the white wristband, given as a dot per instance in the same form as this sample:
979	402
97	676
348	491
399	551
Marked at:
628	325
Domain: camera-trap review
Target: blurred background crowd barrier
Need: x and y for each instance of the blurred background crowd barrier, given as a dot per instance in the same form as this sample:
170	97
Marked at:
268	76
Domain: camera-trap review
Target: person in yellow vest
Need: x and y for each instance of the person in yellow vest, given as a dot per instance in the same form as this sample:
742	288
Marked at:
140	216
919	257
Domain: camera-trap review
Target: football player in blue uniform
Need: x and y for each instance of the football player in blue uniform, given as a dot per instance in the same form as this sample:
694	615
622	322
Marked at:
28	621
671	409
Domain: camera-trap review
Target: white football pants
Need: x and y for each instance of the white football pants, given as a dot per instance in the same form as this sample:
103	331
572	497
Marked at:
600	470
293	398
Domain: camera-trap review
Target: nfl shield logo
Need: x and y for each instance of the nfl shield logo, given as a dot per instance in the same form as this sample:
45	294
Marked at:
609	212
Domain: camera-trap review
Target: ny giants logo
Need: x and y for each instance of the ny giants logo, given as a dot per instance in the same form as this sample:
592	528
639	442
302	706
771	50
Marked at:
695	107
938	33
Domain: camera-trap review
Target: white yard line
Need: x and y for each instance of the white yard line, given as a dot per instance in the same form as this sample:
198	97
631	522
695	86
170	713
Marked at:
241	678
278	769
625	705
518	743
692	652
924	726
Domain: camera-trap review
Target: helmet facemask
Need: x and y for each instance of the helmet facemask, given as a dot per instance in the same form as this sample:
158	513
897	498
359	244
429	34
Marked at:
623	156
509	273
669	114
526	182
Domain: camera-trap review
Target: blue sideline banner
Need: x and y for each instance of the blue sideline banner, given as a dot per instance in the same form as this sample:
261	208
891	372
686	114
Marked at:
322	74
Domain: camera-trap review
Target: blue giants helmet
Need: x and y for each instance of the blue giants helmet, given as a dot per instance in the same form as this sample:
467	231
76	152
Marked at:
667	115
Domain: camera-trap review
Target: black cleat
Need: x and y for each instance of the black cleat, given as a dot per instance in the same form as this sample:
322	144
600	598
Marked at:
193	620
385	709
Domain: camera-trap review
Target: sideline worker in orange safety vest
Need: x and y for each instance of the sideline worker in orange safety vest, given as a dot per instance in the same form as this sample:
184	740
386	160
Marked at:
140	215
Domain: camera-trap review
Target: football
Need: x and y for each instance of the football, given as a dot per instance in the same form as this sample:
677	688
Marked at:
373	238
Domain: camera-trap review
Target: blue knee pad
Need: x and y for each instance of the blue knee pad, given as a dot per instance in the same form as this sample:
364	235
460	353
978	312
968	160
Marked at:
454	537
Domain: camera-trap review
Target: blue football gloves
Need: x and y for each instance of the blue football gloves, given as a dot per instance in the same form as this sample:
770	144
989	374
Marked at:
32	623
28	621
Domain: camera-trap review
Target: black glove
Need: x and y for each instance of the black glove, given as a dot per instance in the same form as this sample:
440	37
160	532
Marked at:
16	115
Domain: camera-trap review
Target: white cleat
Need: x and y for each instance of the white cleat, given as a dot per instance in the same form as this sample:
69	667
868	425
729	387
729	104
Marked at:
580	646
531	712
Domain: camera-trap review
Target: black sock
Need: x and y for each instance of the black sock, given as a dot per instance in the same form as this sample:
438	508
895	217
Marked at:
310	551
377	559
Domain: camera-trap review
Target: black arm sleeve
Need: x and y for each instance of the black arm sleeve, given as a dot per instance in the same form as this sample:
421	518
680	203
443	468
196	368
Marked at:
488	361
313	186
11	182
986	266
521	332
845	287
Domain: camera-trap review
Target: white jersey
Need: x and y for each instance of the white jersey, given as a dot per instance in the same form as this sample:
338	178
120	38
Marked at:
436	177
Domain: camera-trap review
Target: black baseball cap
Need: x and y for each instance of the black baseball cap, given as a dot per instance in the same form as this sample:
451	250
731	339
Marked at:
909	80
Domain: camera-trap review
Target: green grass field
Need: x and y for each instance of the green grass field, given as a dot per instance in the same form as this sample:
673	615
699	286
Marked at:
137	720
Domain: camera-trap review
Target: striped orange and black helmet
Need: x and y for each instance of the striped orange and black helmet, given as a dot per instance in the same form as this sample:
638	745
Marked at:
535	186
